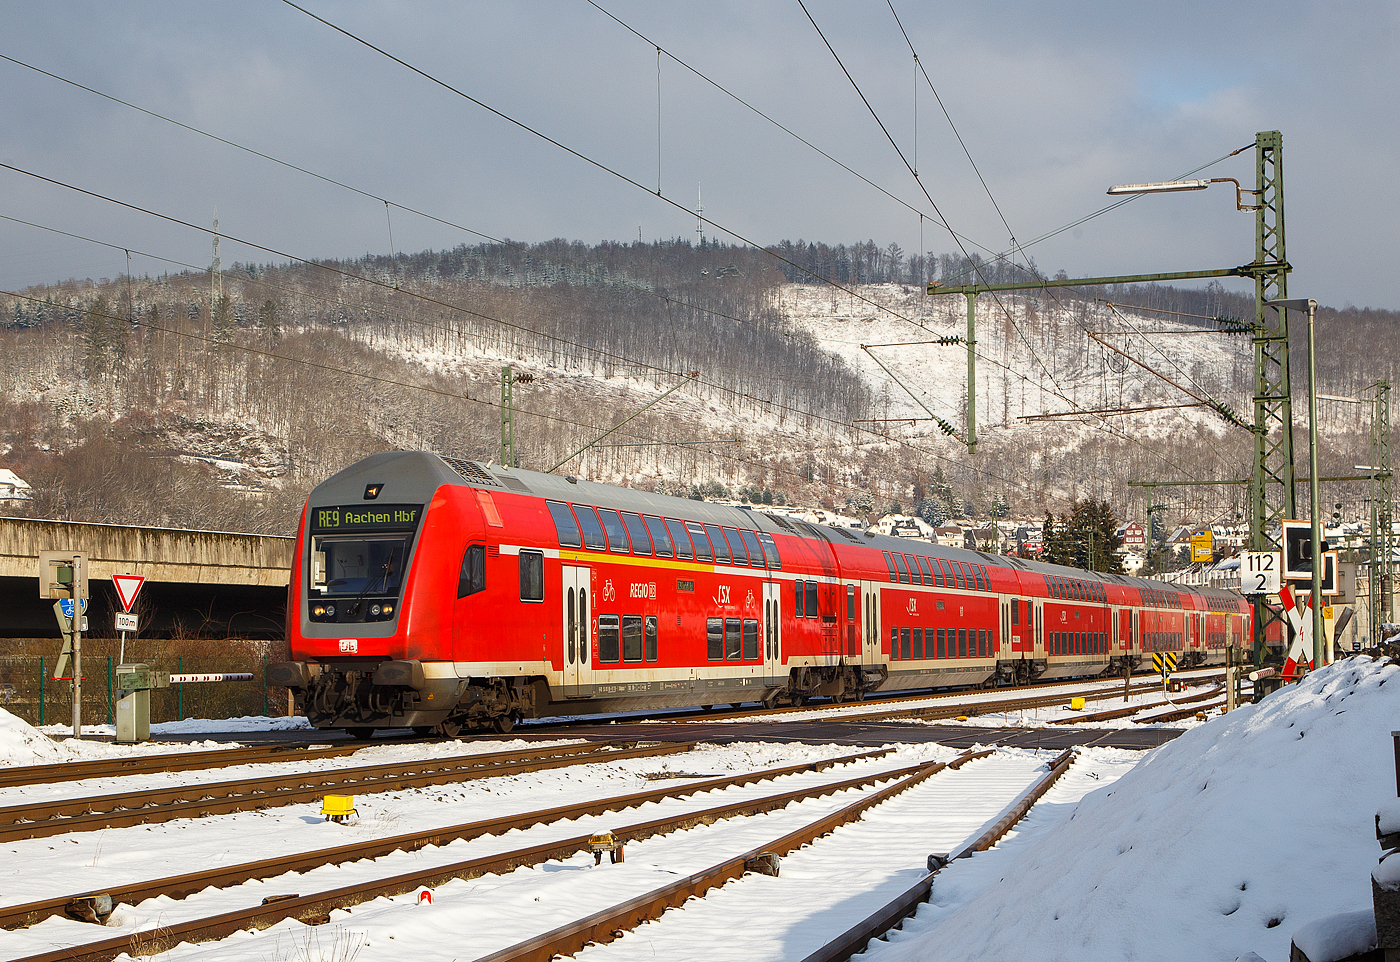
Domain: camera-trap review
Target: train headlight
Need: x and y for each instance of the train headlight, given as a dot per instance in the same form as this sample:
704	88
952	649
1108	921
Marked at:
318	611
374	611
330	611
388	610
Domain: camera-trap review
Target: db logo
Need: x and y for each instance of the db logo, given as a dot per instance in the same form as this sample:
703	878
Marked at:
722	595
348	646
913	607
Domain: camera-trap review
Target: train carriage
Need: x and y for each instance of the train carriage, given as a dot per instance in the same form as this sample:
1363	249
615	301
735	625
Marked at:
441	594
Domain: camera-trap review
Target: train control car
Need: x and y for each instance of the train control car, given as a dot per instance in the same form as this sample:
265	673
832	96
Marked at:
445	595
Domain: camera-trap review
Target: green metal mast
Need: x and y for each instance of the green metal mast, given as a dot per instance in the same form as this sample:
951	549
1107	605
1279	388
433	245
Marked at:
1382	537
507	418
1271	493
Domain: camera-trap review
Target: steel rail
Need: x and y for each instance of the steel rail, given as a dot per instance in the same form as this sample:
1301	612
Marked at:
221	798
1179	714
1137	709
705	716
604	926
180	886
314	909
1012	704
893	914
177	762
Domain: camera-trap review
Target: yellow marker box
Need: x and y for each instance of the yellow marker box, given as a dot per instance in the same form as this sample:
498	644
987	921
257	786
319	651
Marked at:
337	808
1076	704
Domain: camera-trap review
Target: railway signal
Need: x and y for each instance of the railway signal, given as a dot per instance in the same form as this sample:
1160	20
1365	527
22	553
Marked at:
63	576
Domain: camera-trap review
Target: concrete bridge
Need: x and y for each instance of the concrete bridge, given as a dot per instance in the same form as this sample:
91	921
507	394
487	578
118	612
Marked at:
212	581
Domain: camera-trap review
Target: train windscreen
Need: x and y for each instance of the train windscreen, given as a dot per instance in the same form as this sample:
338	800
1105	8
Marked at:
357	550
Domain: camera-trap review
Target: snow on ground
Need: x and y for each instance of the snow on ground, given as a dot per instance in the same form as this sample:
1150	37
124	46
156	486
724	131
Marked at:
45	868
1222	842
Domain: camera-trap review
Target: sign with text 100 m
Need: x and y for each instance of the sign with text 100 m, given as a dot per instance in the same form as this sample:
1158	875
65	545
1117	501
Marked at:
361	517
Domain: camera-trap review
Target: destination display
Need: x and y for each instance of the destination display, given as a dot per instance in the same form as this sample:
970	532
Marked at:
361	517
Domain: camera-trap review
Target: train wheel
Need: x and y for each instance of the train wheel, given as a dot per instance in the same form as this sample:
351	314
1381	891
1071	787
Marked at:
504	723
360	734
449	729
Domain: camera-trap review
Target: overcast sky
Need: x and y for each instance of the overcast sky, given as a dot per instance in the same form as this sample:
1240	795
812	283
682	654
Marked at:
1055	102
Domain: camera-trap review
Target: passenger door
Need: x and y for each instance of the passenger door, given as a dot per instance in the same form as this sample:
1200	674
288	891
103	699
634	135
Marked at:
870	622
577	634
772	632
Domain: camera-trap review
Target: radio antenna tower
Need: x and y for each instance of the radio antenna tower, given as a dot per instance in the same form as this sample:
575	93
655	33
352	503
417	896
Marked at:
699	218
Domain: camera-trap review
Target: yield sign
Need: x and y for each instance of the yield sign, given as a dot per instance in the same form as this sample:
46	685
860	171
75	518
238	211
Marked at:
128	587
1301	648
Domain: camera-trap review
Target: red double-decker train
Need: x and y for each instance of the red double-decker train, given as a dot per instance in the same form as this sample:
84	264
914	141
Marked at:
444	595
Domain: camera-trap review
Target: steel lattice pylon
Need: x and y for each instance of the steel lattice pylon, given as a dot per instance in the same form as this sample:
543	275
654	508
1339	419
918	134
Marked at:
1271	493
1382	536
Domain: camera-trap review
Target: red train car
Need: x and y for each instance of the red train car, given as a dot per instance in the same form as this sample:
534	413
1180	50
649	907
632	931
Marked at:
443	595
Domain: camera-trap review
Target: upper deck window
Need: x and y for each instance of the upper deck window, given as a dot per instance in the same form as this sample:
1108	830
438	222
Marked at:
660	538
770	550
564	524
755	551
902	566
641	541
720	545
617	531
679	538
923	569
889	563
736	547
702	543
593	535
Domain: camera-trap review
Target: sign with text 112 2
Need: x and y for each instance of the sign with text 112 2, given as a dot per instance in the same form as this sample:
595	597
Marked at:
1260	574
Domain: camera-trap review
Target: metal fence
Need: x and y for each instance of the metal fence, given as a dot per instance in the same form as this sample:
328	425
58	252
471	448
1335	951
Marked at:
28	691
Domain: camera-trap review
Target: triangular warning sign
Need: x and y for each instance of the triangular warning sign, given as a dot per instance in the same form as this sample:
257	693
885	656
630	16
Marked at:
128	587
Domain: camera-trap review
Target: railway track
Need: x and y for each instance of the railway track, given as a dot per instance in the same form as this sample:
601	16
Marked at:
180	886
171	762
1129	712
147	806
316	907
613	922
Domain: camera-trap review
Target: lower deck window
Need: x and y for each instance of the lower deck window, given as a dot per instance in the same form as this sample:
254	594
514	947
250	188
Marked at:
531	576
649	638
750	639
962	642
609	639
942	643
631	637
732	642
714	639
904	644
918	649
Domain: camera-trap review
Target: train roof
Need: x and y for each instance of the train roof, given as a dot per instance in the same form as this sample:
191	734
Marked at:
415	475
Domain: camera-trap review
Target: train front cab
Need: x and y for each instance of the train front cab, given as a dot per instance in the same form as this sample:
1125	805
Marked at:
375	542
